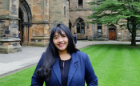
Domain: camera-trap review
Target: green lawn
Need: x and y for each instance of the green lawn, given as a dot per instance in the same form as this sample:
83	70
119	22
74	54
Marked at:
114	65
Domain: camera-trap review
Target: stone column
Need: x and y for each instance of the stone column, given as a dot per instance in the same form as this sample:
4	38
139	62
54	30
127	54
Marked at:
39	31
9	41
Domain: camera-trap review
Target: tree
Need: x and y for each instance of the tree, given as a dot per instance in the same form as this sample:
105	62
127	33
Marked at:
115	12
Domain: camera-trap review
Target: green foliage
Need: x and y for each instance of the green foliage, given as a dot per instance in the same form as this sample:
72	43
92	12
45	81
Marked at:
116	12
111	11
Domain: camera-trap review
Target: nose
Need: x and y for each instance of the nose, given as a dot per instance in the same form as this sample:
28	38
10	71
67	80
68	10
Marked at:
60	39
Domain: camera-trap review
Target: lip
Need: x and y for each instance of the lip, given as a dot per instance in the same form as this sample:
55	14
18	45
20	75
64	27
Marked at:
61	45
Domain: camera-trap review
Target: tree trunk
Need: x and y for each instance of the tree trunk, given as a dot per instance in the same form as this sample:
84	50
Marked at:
133	22
133	40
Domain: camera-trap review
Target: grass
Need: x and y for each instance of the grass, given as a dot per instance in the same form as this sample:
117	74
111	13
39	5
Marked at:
21	78
114	65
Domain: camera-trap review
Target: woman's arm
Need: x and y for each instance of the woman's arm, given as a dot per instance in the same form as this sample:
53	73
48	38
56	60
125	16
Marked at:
35	80
90	76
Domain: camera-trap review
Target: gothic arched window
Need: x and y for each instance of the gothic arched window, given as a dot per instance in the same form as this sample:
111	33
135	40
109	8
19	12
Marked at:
80	26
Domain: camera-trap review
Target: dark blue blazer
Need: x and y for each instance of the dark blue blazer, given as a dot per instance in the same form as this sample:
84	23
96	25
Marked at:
80	71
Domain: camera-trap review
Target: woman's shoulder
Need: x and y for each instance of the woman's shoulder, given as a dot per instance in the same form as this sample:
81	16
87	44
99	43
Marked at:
42	56
81	54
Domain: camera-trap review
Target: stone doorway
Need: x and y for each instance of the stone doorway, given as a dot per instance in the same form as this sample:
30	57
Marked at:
21	26
112	34
25	19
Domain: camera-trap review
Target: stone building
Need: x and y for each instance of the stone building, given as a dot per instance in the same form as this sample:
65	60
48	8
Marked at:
33	18
78	12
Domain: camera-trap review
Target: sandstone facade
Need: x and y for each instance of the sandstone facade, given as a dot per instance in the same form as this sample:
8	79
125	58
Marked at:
79	10
33	18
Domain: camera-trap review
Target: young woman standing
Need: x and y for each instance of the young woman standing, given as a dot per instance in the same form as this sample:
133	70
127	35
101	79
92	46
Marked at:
62	64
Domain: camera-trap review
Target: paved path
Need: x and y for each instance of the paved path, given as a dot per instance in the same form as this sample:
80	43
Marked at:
29	56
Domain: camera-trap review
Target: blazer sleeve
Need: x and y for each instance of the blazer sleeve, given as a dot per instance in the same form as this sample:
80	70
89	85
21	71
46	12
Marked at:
35	80
90	76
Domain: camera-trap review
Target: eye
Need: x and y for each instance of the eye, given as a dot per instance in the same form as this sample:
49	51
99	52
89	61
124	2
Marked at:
63	35
55	37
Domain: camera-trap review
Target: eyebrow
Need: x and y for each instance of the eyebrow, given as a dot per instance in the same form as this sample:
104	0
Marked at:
55	35
60	34
64	34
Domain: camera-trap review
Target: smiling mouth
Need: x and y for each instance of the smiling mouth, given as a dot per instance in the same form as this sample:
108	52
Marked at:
61	45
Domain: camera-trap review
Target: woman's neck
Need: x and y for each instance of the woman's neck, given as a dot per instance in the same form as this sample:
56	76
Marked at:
64	55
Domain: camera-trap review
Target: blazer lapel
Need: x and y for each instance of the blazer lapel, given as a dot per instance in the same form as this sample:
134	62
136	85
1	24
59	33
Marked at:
73	67
56	69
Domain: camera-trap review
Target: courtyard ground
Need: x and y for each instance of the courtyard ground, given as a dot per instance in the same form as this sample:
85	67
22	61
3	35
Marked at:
29	56
114	65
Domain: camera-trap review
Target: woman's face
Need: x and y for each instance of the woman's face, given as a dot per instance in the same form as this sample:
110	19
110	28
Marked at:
60	41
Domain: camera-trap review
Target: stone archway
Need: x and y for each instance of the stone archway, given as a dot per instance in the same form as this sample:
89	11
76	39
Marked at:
10	25
25	21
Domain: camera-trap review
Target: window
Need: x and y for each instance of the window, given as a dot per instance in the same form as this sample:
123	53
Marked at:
80	26
99	28
80	3
64	11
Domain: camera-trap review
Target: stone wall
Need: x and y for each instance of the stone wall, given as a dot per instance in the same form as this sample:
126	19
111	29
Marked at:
39	34
4	9
9	47
9	41
46	14
57	12
8	29
82	12
120	34
40	11
74	5
91	32
9	9
14	8
35	20
74	15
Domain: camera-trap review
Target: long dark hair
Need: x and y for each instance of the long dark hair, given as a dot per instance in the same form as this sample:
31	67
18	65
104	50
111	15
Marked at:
52	53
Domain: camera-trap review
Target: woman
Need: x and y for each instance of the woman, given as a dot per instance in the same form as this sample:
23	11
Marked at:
62	64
